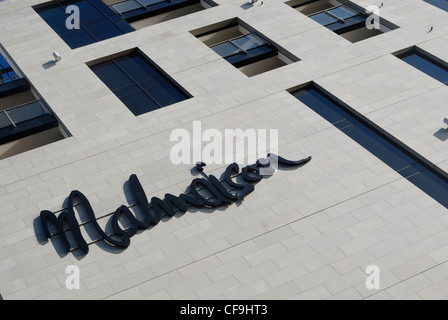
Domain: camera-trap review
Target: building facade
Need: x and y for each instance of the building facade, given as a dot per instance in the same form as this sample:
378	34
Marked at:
106	107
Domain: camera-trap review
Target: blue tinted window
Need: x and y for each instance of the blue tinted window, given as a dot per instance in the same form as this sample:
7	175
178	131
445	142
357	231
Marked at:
112	76
3	63
7	74
4	121
151	83
226	49
343	12
126	6
442	4
54	16
248	42
138	68
138	84
353	23
341	19
151	2
27	112
422	175
244	50
324	18
78	38
127	91
104	31
87	11
134	9
139	103
426	65
166	94
97	22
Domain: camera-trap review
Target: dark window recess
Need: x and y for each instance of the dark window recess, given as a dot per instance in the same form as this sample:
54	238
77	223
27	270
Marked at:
427	65
421	174
344	18
7	74
139	84
341	19
245	50
133	10
442	4
25	120
243	47
20	120
97	22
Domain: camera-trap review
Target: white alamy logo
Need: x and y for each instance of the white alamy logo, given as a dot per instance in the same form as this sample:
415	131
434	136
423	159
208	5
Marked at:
213	146
73	20
72	282
373	21
373	280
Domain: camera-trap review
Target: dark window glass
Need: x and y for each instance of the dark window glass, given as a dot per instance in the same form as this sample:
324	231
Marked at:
151	83
104	31
126	91
78	38
324	18
87	11
353	23
344	12
139	103
341	19
4	121
442	4
138	84
151	2
165	94
248	42
426	65
112	76
3	63
136	9
378	146
54	16
27	112
225	49
431	184
97	22
138	68
422	175
126	6
244	50
7	74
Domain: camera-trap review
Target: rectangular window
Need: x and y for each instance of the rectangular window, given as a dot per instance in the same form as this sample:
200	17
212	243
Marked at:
7	74
441	4
421	61
97	22
138	83
423	174
144	13
25	121
345	19
243	47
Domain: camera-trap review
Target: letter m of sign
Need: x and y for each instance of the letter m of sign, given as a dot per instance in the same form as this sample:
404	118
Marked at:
59	222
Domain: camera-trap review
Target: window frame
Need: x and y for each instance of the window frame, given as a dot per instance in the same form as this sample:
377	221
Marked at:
341	25
244	57
87	26
378	142
426	57
138	84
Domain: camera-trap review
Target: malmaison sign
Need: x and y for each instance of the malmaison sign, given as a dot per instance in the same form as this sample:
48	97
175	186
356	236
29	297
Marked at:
203	192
